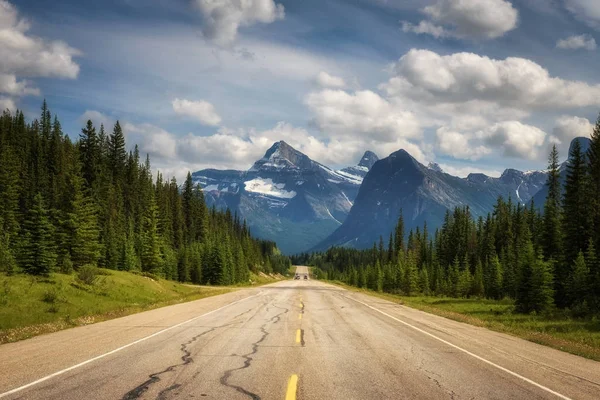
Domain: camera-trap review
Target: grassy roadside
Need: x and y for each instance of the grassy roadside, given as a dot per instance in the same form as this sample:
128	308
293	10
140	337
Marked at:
576	336
31	306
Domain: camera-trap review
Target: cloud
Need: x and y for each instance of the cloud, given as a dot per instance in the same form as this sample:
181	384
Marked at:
330	81
585	10
7	103
577	42
9	85
515	139
511	138
427	28
23	55
152	140
342	114
30	56
513	84
97	119
466	19
568	128
464	170
202	111
223	18
458	145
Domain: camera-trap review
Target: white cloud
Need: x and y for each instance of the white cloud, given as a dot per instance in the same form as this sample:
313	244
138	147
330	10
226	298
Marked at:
330	81
155	141
586	10
474	19
426	27
23	55
513	84
202	111
223	18
577	42
341	114
9	85
464	170
568	128
458	145
7	103
511	138
97	119
26	55
515	139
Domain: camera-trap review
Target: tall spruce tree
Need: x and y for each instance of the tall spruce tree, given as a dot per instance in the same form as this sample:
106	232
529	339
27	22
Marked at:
575	215
37	254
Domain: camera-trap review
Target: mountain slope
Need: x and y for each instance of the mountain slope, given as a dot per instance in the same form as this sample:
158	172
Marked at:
286	196
399	182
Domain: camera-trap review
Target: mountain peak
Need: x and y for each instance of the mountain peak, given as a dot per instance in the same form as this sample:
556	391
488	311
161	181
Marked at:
368	159
281	155
584	142
435	167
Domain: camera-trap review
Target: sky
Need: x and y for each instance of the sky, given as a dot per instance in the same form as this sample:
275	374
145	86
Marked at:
473	85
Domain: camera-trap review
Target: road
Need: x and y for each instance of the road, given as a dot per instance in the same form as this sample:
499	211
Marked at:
292	339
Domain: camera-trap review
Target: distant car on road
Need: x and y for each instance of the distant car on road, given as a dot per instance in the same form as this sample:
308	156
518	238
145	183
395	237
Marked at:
305	277
297	277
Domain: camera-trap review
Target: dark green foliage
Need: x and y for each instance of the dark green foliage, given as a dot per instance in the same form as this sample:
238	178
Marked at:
66	205
37	254
538	260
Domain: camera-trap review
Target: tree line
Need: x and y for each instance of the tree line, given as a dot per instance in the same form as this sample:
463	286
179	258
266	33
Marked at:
540	259
68	204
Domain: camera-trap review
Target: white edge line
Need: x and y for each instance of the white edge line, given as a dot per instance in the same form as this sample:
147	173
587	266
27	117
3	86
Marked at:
464	351
81	364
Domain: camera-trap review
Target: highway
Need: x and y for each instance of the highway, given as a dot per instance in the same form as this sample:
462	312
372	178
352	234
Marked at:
295	339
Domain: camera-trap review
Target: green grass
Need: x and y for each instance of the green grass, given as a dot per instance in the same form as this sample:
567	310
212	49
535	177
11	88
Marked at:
31	306
558	329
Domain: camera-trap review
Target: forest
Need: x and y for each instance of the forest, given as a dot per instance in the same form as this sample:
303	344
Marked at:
542	260
70	205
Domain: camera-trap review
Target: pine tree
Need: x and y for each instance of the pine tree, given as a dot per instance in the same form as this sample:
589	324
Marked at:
411	275
478	288
575	205
494	287
552	238
151	256
578	287
593	156
89	149
399	236
82	224
117	154
37	254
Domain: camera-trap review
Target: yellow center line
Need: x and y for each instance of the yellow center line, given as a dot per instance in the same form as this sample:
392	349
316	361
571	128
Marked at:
298	336
299	316
291	388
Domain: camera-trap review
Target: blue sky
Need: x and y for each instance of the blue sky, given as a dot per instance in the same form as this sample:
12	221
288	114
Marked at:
474	85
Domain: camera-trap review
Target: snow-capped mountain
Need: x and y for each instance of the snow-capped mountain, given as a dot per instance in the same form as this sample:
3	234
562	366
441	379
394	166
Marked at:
400	182
287	197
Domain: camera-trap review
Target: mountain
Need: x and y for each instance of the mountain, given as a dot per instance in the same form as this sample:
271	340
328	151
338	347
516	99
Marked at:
287	197
359	171
540	197
400	182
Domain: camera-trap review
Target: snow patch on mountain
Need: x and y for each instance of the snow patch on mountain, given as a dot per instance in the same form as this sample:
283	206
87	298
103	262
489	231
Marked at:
268	188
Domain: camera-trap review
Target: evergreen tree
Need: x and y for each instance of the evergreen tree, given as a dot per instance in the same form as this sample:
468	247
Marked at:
82	225
579	281
37	255
575	205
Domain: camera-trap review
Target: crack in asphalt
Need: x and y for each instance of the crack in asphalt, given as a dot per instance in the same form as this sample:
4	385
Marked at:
186	358
248	357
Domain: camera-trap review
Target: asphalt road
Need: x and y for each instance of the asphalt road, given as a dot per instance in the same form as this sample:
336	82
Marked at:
293	339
